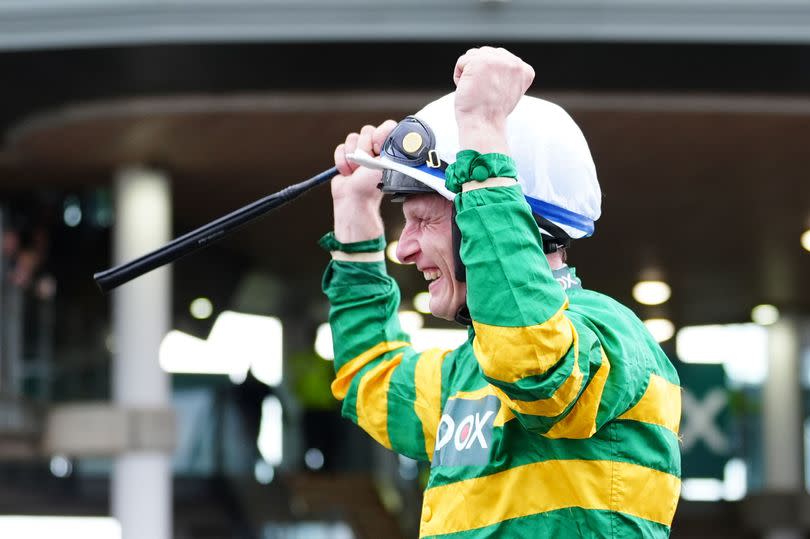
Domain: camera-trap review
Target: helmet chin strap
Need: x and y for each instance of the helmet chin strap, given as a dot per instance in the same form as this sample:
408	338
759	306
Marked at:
463	316
459	271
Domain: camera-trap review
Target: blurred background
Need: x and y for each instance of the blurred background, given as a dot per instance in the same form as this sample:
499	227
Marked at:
195	402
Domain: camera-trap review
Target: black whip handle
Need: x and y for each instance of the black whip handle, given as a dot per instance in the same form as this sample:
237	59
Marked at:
206	234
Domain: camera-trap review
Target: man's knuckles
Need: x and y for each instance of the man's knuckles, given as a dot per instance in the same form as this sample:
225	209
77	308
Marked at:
340	160
381	133
495	56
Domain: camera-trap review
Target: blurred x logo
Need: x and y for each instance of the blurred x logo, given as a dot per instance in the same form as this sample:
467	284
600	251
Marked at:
699	420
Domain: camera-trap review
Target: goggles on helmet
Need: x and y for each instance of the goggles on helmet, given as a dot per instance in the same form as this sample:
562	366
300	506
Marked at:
411	143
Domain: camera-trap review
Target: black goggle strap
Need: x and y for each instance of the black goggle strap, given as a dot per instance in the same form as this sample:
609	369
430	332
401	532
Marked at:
554	237
434	161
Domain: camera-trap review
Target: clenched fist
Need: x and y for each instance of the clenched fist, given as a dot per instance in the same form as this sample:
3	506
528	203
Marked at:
356	181
356	198
489	83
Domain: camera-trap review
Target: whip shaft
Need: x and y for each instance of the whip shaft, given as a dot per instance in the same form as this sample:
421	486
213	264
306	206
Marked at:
206	234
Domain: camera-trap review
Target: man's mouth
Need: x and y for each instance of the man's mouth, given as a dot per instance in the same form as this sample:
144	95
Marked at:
432	274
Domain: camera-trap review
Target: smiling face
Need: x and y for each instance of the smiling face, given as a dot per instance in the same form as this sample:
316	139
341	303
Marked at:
427	241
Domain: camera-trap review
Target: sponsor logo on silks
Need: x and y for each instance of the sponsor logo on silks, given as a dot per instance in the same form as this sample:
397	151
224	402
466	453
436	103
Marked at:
464	435
567	278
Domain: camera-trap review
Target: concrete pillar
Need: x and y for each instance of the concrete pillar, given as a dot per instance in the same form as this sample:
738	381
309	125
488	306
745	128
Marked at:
3	280
11	329
141	494
782	415
14	315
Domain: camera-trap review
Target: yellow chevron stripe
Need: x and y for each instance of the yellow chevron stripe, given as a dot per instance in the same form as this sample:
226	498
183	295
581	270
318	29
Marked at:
549	486
474	395
372	400
660	405
428	403
552	406
581	420
511	353
345	375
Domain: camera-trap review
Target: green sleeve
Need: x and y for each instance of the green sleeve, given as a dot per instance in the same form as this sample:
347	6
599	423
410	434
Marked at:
387	388
547	367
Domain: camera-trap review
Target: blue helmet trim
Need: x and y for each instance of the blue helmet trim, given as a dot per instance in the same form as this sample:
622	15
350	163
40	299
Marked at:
561	216
549	211
439	173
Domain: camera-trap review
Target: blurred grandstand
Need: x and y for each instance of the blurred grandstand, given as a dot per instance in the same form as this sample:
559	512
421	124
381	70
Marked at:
698	116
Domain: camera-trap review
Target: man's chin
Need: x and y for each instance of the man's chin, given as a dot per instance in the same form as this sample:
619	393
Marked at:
441	311
445	312
444	316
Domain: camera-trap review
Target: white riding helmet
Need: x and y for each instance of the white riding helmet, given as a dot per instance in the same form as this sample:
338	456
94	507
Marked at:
555	167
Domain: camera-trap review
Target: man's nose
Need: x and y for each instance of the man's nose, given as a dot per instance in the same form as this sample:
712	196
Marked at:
407	247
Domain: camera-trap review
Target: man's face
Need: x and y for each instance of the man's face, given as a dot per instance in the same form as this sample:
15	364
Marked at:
427	242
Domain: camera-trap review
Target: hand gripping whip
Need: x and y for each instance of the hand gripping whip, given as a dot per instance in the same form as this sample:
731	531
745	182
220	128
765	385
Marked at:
206	234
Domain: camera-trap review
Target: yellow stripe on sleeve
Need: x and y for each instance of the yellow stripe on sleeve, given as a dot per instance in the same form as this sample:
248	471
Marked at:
581	420
552	406
372	400
345	375
428	403
511	353
548	486
660	405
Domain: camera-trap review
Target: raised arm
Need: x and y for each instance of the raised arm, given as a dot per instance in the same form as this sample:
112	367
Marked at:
546	366
388	389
